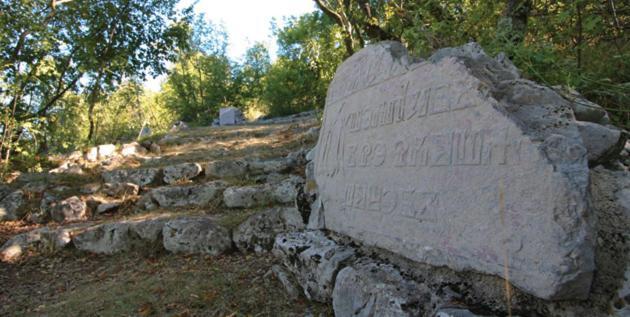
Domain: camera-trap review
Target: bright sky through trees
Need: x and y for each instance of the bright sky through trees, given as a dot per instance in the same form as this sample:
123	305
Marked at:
246	21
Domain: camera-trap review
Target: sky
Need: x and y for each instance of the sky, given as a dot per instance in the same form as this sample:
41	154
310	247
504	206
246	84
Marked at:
246	22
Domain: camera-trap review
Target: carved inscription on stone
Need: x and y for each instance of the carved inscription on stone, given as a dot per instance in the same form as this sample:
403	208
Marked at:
411	158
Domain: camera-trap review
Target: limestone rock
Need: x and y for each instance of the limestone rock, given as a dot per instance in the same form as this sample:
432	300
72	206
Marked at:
133	148
286	190
259	231
447	155
601	142
247	196
184	195
10	204
48	202
313	259
92	154
367	288
42	239
69	209
456	312
583	109
140	177
316	220
230	116
279	165
287	281
121	236
196	235
181	172
106	151
67	168
155	148
107	207
229	168
121	189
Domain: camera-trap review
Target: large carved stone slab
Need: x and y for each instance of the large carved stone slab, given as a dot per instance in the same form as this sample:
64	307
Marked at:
458	162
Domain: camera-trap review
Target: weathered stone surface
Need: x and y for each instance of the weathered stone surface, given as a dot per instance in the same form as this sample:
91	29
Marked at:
367	288
121	189
287	281
313	259
140	177
106	150
196	235
279	165
228	168
92	154
120	236
247	196
42	239
286	190
47	203
583	109
600	141
457	161
230	116
67	168
69	209
185	195
181	172
133	148
283	192
259	231
107	207
456	312
10	204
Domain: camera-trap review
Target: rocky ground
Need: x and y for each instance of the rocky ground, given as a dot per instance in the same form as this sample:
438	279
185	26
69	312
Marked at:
179	225
222	221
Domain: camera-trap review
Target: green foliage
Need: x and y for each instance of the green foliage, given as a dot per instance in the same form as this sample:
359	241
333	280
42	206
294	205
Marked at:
309	51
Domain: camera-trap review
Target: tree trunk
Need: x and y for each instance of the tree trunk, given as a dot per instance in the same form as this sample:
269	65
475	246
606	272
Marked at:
515	17
92	100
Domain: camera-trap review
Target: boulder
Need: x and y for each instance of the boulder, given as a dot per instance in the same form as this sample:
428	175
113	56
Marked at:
259	231
120	236
286	191
279	165
367	288
106	151
69	209
314	261
181	172
185	195
247	196
92	154
121	189
287	281
42	215
196	235
132	149
67	168
438	161
107	207
230	168
583	109
10	204
601	142
42	239
155	148
230	116
140	177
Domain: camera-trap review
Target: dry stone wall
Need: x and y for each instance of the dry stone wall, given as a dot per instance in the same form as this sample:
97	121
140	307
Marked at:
458	162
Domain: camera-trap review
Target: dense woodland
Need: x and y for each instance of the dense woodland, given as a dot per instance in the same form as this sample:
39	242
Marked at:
72	71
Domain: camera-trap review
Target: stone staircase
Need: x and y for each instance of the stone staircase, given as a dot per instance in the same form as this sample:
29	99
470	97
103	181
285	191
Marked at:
204	191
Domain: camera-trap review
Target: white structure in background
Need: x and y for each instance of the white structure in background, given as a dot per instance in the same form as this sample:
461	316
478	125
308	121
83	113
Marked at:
230	116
